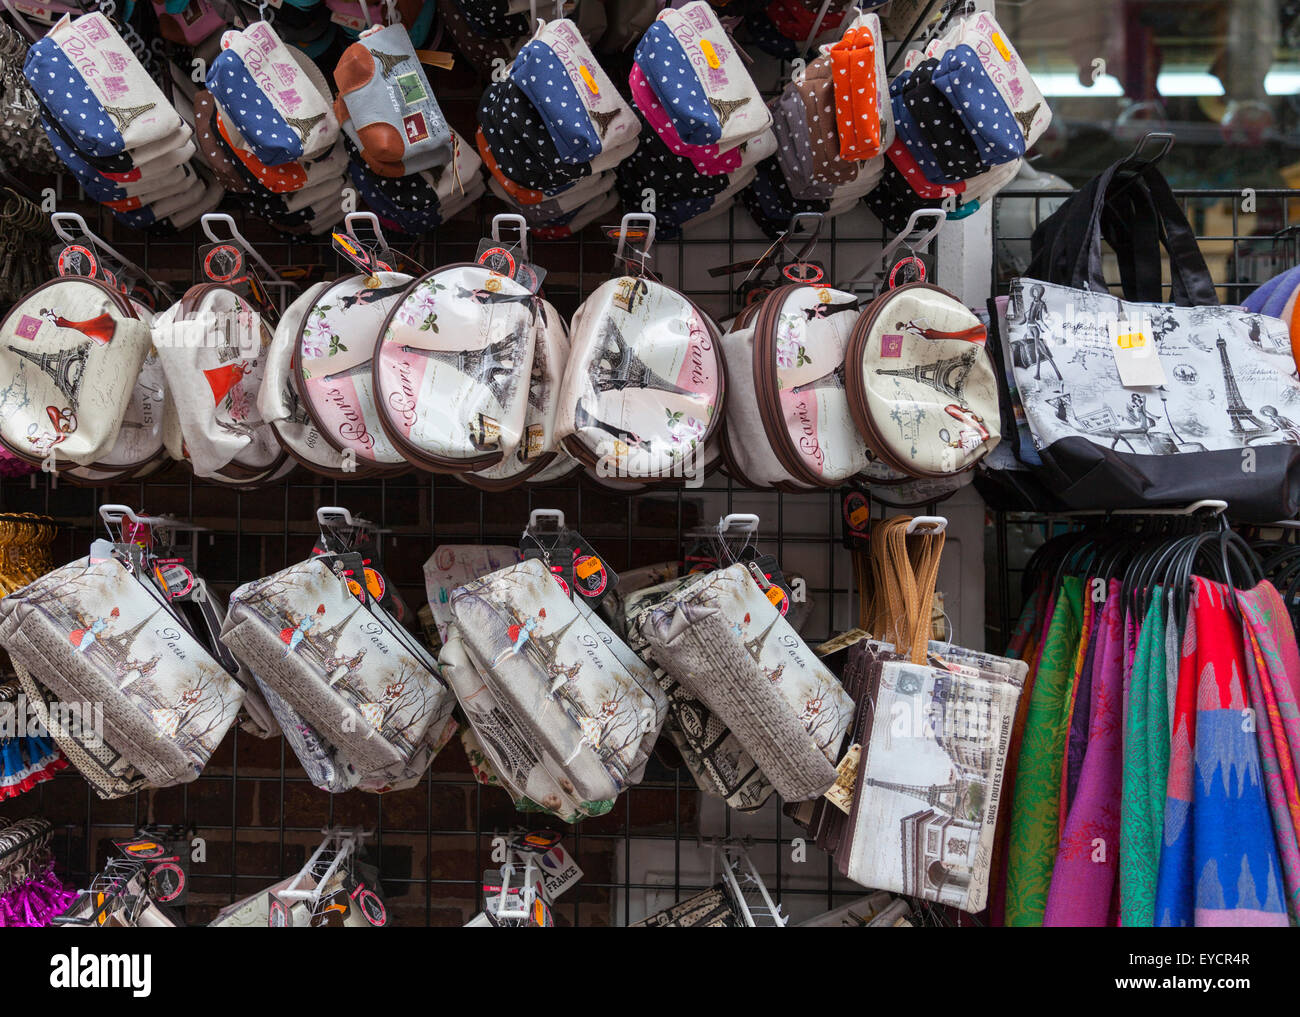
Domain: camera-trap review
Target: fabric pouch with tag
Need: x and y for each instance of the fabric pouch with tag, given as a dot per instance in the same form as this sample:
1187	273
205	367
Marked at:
565	681
389	100
700	79
577	102
355	675
277	101
93	632
982	35
723	639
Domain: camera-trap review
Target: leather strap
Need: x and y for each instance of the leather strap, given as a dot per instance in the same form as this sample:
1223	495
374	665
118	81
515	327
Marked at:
905	568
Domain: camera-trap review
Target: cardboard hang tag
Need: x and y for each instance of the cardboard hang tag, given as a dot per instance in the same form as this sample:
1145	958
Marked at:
1137	358
575	563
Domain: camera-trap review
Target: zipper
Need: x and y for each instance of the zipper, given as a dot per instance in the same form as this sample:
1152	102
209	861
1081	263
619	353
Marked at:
856	387
415	455
767	388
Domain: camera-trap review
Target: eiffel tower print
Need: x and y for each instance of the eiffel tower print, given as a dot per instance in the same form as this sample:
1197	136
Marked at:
117	647
603	119
1238	411
124	116
754	644
494	366
947	375
65	368
303	125
389	61
833	380
1026	118
355	371
726	107
616	366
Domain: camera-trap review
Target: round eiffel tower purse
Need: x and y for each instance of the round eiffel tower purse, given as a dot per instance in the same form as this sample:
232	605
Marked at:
334	370
280	403
451	368
643	390
785	356
70	356
920	383
213	345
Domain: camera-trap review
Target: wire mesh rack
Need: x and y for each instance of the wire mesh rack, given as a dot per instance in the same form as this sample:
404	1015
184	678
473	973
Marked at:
257	814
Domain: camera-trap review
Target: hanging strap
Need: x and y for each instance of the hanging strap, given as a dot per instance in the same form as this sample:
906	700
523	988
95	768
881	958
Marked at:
906	568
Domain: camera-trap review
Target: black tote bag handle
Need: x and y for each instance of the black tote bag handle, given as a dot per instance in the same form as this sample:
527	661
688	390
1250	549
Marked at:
1126	224
1067	246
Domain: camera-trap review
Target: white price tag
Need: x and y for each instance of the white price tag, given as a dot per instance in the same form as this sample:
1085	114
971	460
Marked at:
1133	345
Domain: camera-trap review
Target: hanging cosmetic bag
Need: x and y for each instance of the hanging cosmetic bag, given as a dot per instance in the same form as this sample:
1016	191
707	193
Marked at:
346	667
275	97
451	368
390	102
70	354
212	346
929	779
279	401
786	360
644	386
521	763
699	78
90	81
335	370
537	448
980	38
863	115
714	756
727	643
566	682
921	386
577	102
93	634
140	438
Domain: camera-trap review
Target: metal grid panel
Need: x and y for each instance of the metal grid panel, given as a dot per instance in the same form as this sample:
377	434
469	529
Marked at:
253	805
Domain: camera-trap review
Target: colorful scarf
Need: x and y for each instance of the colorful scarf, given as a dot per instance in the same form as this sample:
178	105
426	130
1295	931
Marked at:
1272	672
1036	802
1219	866
1146	771
1083	879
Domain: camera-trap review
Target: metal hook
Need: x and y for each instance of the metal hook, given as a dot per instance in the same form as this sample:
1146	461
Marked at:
904	238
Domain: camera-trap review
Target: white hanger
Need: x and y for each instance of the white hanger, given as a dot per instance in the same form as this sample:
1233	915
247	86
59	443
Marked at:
940	216
631	222
519	223
271	277
934	524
